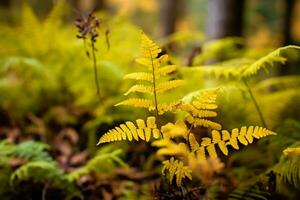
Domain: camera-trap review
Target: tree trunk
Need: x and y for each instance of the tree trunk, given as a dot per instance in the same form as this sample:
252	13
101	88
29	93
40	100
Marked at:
89	5
225	18
5	3
170	12
287	22
100	5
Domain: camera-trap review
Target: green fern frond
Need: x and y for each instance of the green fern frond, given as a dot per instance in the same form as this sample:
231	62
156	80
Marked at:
102	162
129	131
35	31
225	48
176	168
287	169
30	151
39	171
245	68
277	83
252	193
266	62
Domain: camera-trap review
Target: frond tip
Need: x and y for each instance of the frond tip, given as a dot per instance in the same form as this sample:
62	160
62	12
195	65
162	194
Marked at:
129	131
175	168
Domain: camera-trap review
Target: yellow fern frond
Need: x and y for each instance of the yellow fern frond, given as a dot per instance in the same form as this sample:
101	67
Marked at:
139	76
198	113
292	152
167	107
129	131
171	130
194	145
140	88
153	61
137	102
224	138
203	122
169	147
166	70
149	49
161	88
202	108
176	168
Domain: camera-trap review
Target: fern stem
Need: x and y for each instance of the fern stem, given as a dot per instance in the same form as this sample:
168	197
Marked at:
255	104
95	69
154	86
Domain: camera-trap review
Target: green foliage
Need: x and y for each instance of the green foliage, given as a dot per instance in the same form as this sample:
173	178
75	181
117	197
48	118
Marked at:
30	151
250	193
222	49
288	167
100	163
244	68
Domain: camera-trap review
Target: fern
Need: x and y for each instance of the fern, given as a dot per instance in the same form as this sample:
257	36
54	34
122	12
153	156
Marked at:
288	167
241	69
277	84
129	131
153	80
34	31
30	151
39	171
219	49
175	168
245	136
201	109
222	139
102	162
250	194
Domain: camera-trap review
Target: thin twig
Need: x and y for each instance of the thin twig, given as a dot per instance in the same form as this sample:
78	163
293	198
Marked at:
95	69
45	190
255	103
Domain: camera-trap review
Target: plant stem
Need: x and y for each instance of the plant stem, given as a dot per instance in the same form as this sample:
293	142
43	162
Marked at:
154	91
95	69
154	86
255	103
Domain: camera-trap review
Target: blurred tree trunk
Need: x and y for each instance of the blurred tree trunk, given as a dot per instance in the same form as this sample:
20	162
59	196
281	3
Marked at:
88	5
100	5
225	18
5	3
170	13
287	22
287	31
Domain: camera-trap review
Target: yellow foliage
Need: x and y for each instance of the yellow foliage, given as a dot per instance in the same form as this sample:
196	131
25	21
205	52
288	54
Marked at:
292	152
176	168
200	109
154	84
129	131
